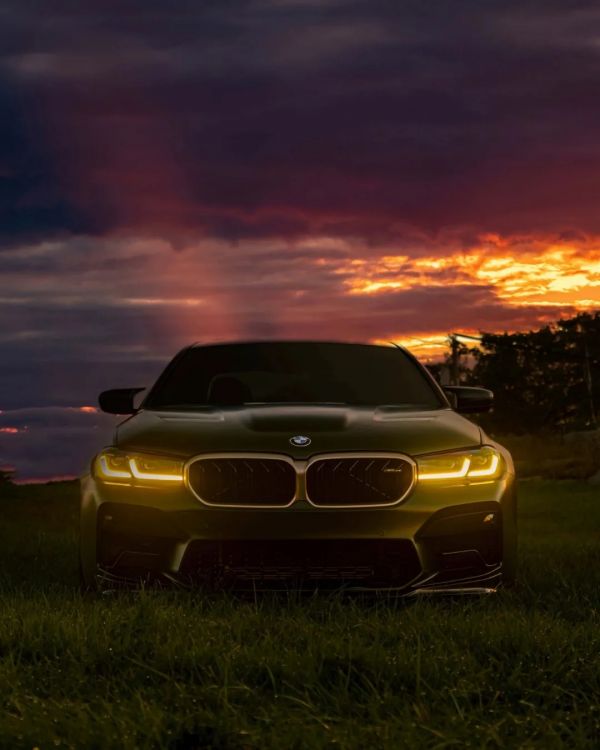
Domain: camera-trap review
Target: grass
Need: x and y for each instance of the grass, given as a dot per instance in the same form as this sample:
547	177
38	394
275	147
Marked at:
172	670
575	455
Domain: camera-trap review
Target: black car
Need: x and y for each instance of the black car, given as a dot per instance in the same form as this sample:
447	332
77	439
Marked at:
300	464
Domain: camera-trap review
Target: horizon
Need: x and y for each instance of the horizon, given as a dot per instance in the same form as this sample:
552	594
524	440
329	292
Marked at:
86	429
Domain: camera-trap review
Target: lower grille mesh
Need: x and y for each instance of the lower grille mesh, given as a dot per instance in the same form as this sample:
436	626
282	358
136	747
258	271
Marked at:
303	562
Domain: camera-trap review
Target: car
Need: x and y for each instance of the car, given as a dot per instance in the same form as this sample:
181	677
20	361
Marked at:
303	465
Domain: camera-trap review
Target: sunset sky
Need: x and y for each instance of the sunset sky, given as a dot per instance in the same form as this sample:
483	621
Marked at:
188	171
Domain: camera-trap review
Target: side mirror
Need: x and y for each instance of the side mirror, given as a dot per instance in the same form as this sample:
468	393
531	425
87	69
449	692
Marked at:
118	400
467	400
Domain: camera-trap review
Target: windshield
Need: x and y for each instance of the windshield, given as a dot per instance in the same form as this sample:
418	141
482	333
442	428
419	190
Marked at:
293	372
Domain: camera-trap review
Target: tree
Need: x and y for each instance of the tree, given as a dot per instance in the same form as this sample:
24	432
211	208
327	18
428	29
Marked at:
547	379
6	474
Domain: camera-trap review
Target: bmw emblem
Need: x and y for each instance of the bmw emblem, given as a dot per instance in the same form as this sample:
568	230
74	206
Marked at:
300	441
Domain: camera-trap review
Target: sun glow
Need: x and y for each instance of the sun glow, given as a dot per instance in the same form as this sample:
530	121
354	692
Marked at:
520	273
526	274
427	347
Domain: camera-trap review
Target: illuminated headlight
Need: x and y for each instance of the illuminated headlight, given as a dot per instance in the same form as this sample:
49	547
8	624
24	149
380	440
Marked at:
484	463
112	465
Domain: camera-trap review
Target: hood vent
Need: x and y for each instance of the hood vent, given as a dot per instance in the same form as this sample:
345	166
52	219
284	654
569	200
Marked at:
298	421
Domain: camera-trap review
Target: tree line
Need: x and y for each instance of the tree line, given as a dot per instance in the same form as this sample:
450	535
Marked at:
543	380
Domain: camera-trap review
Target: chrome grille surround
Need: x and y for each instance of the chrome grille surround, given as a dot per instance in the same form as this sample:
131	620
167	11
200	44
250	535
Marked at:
301	467
248	463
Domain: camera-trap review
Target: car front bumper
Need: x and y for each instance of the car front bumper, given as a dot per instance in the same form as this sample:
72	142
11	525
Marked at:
443	538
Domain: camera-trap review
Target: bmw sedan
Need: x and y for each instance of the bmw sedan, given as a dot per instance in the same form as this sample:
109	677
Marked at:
299	464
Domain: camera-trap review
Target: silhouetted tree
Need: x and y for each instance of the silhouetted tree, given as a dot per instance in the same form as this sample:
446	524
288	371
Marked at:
6	475
543	380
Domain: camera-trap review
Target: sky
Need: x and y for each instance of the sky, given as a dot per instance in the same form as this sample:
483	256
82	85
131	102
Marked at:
375	170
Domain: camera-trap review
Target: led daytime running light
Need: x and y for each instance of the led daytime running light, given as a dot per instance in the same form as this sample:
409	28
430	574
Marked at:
118	467
151	475
112	473
462	472
467	469
490	471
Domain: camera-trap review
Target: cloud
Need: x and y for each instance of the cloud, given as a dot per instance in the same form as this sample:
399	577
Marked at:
83	316
270	120
50	442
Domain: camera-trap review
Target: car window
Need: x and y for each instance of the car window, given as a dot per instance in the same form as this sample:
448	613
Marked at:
293	372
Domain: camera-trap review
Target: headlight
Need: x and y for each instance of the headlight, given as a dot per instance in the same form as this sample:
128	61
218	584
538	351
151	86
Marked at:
112	465
484	463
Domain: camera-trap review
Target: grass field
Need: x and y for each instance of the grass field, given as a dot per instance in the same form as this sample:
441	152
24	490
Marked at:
170	670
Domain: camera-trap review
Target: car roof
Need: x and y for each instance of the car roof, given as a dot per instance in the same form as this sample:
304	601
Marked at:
386	344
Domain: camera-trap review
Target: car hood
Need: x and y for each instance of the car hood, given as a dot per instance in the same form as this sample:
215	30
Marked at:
269	429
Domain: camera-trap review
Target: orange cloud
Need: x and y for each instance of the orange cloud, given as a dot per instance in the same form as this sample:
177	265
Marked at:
522	273
428	347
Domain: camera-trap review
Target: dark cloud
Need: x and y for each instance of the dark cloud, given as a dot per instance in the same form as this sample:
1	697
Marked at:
33	201
270	119
48	442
